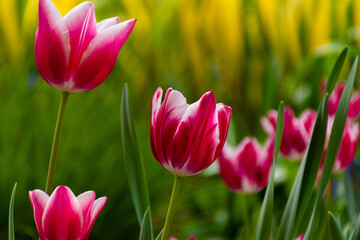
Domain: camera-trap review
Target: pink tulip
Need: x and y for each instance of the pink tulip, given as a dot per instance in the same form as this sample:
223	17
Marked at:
190	238
296	131
74	53
186	139
64	216
348	144
354	108
246	169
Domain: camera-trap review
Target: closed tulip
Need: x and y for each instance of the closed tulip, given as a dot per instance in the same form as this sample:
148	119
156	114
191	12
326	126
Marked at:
64	216
334	99
246	168
296	133
347	147
74	53
186	139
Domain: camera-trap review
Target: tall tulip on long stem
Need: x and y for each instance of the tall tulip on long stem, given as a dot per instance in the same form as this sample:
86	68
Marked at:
75	54
186	139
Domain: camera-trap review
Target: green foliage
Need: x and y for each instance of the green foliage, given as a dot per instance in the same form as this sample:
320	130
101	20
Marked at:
135	168
335	229
263	227
11	215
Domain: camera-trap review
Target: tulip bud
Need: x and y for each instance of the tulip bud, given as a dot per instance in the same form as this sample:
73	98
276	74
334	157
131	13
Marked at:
186	139
246	169
64	216
74	53
296	133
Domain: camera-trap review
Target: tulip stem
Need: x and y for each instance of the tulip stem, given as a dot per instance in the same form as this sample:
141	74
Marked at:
55	145
248	217
170	213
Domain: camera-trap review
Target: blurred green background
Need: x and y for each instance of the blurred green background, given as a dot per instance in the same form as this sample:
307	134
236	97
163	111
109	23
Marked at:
251	53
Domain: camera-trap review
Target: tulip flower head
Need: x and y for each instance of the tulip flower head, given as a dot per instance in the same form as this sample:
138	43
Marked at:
347	147
74	53
246	169
296	132
334	99
64	216
186	139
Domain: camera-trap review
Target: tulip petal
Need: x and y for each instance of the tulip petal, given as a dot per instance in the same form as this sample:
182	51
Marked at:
81	23
95	210
51	44
196	137
229	173
86	200
104	24
99	58
224	115
166	123
62	205
155	106
38	201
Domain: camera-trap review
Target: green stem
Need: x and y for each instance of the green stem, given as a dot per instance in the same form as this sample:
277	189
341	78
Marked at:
55	145
247	217
170	213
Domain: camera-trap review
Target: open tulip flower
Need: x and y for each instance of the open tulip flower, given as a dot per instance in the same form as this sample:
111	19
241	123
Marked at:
334	99
296	133
64	216
186	139
246	169
74	53
347	147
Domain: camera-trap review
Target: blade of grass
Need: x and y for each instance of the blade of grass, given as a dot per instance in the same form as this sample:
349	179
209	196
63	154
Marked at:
334	142
335	229
11	214
146	227
334	75
263	227
133	161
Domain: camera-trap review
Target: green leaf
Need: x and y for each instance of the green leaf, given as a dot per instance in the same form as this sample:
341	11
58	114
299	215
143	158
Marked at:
159	235
263	227
306	174
335	229
334	75
133	160
355	235
146	227
334	142
11	214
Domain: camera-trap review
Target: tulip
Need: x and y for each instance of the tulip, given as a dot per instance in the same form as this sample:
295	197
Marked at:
186	139
64	216
334	99
246	168
74	53
296	133
347	147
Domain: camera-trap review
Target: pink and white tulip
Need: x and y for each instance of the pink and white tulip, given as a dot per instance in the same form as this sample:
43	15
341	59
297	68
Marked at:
334	99
64	216
246	168
186	139
347	147
74	53
296	131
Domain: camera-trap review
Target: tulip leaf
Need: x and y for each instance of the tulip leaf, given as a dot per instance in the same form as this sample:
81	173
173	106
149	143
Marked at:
11	214
334	142
304	182
160	234
263	227
334	75
356	231
335	229
301	192
133	161
146	227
